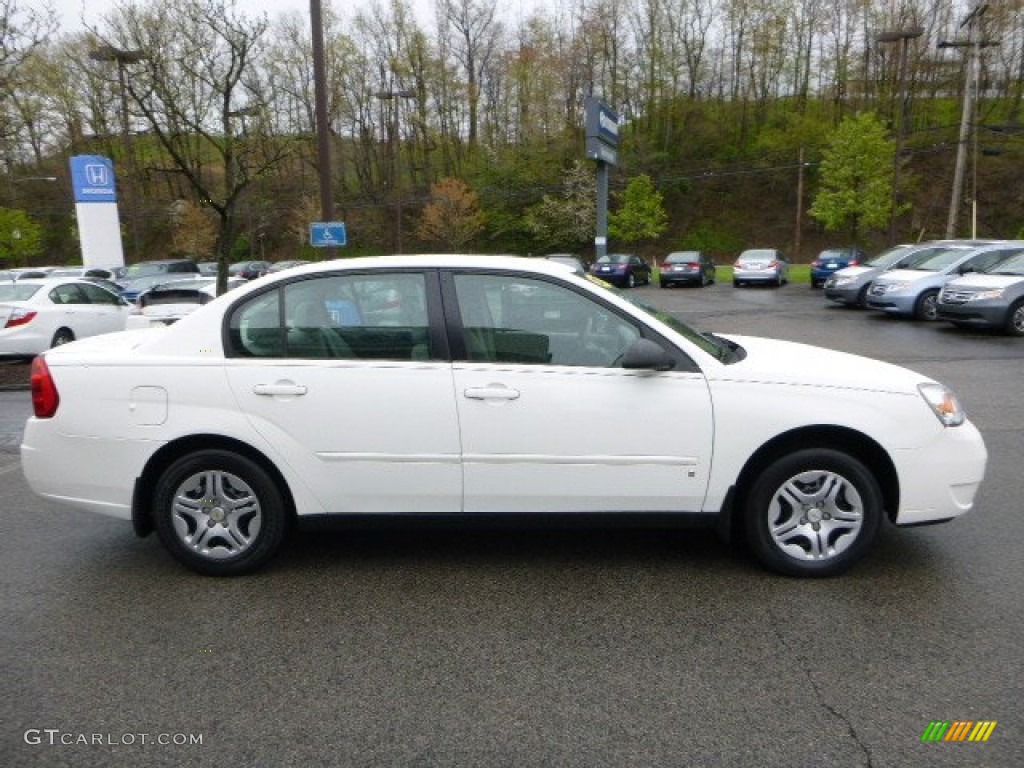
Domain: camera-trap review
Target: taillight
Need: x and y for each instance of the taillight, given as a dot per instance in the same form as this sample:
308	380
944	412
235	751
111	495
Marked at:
44	391
854	262
20	317
816	263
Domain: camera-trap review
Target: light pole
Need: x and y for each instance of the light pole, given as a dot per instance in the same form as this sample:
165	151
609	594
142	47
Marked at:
394	145
903	37
323	128
123	57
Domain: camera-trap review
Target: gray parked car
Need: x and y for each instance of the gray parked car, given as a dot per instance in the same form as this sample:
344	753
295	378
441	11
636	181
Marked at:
914	290
850	285
993	299
761	265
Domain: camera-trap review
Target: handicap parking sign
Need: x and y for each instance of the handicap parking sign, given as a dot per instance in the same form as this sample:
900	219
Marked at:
326	234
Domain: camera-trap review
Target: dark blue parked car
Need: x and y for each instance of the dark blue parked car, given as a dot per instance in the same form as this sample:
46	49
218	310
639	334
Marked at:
622	269
831	260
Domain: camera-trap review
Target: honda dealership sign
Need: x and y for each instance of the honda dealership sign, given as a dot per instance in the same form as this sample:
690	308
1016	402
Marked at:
99	228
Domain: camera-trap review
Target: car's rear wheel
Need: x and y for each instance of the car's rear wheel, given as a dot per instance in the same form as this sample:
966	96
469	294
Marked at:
1015	319
61	337
631	281
814	512
927	306
219	513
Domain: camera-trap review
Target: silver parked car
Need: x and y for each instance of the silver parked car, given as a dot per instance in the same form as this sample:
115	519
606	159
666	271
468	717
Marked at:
914	291
993	299
761	265
850	285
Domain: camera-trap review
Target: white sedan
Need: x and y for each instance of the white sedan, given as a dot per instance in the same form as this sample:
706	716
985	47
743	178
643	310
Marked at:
37	314
446	387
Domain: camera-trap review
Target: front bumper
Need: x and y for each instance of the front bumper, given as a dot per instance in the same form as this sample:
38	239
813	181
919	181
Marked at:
896	303
844	294
938	481
982	313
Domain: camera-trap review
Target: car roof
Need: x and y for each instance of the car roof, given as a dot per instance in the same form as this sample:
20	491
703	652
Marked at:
438	261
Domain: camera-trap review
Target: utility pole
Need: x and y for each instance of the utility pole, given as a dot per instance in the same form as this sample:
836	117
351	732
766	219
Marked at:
973	44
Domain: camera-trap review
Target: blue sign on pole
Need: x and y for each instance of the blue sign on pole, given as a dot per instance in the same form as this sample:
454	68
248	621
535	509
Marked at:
327	234
92	177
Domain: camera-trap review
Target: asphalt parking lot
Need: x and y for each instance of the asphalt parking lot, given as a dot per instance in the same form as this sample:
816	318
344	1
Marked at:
534	647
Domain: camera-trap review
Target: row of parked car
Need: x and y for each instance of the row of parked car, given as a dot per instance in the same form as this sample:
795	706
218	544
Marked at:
46	307
753	266
970	283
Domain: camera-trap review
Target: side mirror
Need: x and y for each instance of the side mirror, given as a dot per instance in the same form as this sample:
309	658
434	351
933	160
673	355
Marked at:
644	354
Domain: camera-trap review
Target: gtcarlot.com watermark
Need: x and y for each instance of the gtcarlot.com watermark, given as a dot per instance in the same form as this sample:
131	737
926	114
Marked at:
55	737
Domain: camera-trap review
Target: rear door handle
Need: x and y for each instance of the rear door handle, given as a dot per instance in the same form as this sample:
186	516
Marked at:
280	388
491	393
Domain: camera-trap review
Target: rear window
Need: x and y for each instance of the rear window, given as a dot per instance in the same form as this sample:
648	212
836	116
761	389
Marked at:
17	291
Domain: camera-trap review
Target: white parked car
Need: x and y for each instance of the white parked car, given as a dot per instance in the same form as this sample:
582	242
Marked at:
36	314
166	303
453	386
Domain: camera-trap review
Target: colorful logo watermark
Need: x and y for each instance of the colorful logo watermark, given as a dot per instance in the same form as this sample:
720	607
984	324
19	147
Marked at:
958	730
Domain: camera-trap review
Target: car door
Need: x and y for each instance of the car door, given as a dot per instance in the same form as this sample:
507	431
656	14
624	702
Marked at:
108	313
348	379
74	309
550	421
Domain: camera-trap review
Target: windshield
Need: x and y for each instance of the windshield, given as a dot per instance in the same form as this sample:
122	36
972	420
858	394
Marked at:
1011	266
17	291
614	258
934	262
758	254
887	258
719	348
682	256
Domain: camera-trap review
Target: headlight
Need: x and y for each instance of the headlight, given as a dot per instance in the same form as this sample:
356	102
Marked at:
943	403
995	293
898	286
837	281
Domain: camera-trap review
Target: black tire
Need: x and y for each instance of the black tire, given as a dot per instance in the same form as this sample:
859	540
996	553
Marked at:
61	337
735	283
815	512
631	280
1015	319
926	308
862	297
663	284
193	514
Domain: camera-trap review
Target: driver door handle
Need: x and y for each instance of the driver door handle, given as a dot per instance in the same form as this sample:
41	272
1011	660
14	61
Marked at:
280	388
493	392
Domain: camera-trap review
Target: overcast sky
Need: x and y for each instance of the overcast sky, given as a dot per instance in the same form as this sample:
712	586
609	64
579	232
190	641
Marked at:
71	12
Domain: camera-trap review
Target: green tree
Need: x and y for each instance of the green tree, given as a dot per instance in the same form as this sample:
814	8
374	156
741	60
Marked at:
856	176
641	215
21	237
567	221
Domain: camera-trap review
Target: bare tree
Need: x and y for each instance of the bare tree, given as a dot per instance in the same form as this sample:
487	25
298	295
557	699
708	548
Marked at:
196	84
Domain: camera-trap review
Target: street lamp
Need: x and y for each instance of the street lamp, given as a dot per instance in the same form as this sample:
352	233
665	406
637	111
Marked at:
124	57
902	36
394	147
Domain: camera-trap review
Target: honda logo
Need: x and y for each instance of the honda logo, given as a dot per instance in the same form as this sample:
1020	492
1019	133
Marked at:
97	175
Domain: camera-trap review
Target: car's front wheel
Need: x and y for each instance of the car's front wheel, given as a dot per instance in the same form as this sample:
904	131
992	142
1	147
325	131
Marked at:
219	513
927	306
631	281
814	512
1015	319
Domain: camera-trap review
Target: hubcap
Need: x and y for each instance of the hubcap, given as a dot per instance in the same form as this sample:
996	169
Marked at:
815	515
216	514
929	309
1018	320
